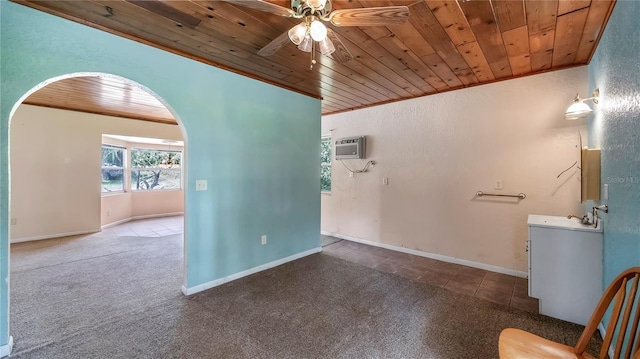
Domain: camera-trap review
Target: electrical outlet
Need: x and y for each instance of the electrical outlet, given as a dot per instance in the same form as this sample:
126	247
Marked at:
385	181
108	213
373	164
201	185
498	184
351	174
14	221
263	239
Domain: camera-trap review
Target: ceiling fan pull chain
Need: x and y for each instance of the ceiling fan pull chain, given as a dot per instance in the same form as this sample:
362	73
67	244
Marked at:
313	54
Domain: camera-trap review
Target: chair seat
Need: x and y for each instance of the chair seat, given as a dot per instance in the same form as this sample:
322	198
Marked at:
518	344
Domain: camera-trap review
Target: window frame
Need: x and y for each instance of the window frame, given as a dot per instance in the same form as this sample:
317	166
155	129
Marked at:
326	138
123	169
146	149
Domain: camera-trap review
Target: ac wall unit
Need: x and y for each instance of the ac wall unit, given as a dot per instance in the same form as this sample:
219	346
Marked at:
351	148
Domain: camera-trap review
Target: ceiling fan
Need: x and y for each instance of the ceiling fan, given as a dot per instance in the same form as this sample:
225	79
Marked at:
311	32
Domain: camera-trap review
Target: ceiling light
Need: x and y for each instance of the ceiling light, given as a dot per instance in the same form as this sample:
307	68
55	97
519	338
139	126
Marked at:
317	4
297	33
326	47
318	30
305	45
579	109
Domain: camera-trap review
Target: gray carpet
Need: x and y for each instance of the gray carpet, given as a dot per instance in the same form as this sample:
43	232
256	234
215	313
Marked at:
107	297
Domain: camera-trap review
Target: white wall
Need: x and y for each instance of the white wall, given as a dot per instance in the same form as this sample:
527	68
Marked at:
438	151
55	168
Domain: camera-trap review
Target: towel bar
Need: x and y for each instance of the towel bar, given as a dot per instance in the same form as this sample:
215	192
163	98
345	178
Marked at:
519	195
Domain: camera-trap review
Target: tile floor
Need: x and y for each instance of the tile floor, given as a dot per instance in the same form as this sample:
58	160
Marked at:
496	287
153	227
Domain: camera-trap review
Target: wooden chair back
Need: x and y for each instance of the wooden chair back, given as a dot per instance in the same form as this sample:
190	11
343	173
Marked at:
622	327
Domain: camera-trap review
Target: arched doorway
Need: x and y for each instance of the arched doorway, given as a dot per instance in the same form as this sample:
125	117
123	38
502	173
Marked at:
254	143
69	282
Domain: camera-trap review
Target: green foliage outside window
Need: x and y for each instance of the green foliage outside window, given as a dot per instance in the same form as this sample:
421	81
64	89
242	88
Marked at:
155	169
325	164
112	169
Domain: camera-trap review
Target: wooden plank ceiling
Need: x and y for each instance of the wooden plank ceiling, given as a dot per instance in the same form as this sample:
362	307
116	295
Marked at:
445	45
103	95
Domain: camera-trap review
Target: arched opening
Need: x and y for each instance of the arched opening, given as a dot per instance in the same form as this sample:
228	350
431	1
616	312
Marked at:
98	272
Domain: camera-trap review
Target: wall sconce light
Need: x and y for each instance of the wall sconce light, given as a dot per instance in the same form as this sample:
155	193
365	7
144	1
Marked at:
579	109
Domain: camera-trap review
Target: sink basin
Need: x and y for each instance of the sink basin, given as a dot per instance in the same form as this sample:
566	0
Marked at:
573	224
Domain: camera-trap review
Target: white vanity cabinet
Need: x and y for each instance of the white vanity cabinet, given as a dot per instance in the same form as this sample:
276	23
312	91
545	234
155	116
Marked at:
565	267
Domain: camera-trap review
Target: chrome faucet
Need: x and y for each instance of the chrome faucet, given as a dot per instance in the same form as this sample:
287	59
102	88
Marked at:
584	219
594	213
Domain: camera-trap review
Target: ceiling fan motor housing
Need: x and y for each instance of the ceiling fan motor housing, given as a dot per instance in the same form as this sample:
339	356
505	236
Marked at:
303	9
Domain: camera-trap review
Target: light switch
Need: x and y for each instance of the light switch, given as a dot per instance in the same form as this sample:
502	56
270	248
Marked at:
498	184
201	185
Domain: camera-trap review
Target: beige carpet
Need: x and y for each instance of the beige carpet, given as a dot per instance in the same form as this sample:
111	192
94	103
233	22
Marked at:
119	297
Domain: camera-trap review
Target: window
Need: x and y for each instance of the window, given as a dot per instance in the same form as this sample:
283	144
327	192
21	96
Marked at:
155	169
113	159
325	164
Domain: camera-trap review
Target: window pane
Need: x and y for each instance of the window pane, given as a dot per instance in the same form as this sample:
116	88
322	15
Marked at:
325	151
325	179
155	159
325	165
155	179
112	169
112	179
112	157
155	169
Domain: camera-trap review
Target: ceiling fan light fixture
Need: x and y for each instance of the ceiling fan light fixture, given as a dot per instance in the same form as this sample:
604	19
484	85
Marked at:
318	30
326	47
317	4
305	45
297	33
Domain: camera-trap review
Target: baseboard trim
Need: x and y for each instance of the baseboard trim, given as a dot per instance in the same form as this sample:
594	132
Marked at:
260	268
113	224
6	349
135	218
603	332
159	215
49	236
439	257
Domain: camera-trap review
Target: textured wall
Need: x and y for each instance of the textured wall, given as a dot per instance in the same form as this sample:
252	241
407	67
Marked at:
437	151
615	128
256	144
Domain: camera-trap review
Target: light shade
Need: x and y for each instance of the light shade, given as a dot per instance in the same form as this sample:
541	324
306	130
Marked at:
326	47
305	45
297	33
577	110
318	30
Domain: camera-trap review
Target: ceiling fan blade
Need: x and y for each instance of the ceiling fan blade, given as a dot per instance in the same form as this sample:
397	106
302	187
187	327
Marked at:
342	54
275	45
264	6
371	16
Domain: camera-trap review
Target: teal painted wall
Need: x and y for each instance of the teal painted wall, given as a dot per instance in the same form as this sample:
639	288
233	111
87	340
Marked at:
615	128
256	144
